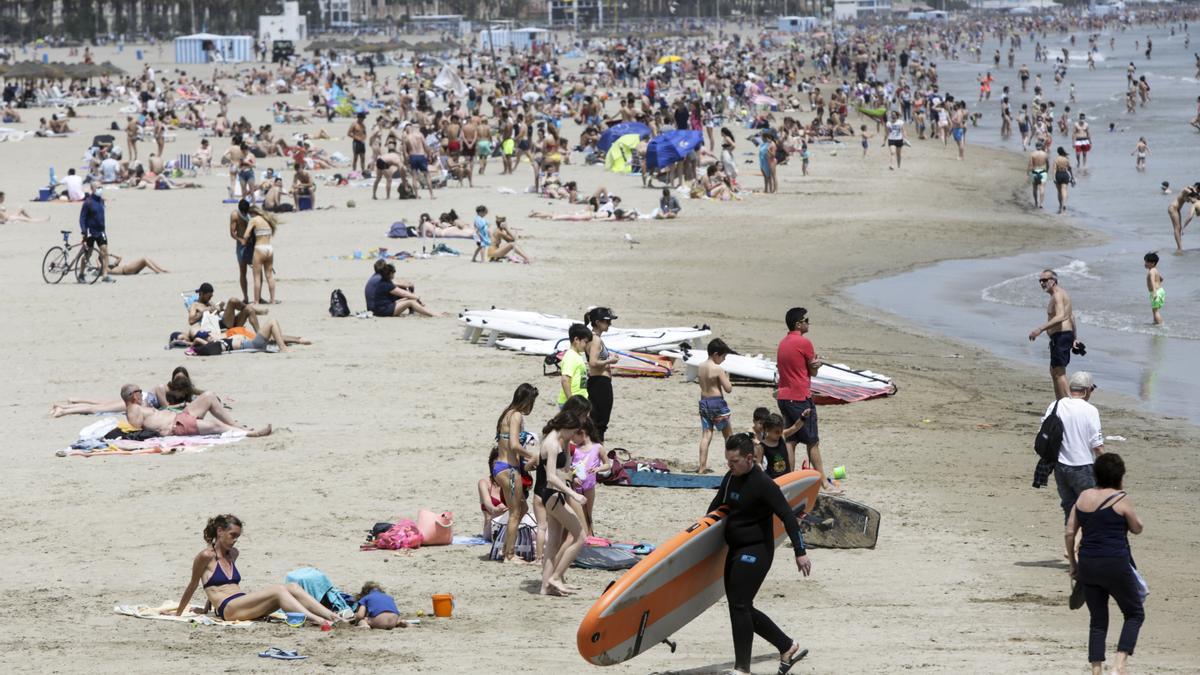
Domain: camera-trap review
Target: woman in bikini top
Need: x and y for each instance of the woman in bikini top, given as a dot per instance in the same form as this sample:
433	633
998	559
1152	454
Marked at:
509	467
222	588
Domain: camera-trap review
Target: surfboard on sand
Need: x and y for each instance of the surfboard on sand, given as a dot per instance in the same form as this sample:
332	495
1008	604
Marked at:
675	480
673	585
837	522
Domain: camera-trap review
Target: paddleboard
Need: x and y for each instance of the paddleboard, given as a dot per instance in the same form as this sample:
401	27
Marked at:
673	585
538	326
837	522
691	481
627	342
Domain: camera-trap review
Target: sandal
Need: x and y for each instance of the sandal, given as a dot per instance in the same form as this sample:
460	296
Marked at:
796	657
281	654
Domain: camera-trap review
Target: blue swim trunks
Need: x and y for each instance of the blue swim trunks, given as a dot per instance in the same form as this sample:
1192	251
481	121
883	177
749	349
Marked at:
714	413
418	162
959	132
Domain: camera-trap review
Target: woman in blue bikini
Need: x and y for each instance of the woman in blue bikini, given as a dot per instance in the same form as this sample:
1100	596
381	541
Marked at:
509	468
216	566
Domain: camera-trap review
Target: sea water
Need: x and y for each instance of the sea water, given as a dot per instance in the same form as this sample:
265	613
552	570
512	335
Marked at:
995	303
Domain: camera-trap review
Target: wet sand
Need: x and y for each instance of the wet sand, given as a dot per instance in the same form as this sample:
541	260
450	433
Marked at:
382	417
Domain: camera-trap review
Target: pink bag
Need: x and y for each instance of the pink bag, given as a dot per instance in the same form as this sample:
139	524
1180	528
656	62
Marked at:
437	530
404	534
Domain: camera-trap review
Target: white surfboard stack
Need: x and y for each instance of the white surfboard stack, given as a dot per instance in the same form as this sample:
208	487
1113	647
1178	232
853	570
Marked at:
545	334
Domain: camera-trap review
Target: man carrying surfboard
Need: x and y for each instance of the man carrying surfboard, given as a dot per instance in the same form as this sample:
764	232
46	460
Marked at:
797	362
754	501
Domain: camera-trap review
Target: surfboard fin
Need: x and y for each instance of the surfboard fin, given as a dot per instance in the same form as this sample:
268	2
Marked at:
670	644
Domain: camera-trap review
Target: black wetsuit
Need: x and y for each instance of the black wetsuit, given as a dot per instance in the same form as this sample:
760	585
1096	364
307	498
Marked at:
753	499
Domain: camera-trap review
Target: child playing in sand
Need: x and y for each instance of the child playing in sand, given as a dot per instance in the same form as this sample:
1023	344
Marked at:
377	609
585	460
1154	280
1141	151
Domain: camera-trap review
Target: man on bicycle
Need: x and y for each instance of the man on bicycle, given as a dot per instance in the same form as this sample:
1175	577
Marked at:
91	226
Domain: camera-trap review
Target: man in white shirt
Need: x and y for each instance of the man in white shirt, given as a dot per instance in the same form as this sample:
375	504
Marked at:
110	170
1083	440
74	185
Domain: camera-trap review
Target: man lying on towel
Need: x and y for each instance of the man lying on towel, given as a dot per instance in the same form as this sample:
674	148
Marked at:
191	421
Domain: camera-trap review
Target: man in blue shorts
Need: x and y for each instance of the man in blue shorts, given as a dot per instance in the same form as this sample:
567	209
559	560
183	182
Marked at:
1061	328
714	411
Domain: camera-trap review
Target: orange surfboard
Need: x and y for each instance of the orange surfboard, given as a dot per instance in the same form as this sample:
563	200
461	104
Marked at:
674	584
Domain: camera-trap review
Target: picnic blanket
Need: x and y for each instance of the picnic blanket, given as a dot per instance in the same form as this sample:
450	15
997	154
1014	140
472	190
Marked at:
194	614
92	443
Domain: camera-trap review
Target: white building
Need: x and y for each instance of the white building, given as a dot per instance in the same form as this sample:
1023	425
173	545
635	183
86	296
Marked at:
339	13
520	38
797	24
291	25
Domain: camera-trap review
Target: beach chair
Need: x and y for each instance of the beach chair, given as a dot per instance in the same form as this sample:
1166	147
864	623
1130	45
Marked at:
184	165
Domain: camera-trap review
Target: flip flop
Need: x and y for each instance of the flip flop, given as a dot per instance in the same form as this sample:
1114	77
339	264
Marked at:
282	654
785	666
1076	601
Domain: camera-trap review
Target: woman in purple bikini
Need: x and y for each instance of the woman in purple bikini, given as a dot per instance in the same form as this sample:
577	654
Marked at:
216	566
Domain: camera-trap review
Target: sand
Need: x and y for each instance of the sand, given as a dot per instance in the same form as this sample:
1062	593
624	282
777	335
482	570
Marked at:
380	418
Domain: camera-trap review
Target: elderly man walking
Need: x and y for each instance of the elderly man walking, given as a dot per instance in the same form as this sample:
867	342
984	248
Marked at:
1082	443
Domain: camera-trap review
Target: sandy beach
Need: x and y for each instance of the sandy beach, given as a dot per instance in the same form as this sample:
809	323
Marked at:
380	418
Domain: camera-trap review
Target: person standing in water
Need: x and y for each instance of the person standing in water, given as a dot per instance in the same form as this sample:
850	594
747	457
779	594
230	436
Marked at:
1188	195
1154	284
1060	327
754	501
1039	166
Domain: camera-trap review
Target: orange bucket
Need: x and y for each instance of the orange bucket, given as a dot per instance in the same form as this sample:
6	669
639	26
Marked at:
443	605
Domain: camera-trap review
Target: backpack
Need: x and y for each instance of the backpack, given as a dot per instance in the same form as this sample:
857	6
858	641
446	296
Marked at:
338	307
523	548
398	230
404	534
1048	441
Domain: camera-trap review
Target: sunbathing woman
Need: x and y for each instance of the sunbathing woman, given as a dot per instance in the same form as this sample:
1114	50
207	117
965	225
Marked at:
512	456
115	266
20	215
160	397
504	242
269	333
428	228
216	567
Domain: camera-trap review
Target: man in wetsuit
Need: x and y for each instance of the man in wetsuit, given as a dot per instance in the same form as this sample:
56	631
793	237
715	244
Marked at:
1060	327
754	501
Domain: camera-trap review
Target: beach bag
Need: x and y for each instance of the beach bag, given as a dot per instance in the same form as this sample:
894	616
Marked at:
523	548
1048	441
338	307
398	230
436	529
618	471
404	534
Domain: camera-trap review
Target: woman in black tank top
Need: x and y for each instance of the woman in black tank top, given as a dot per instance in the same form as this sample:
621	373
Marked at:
1104	565
564	522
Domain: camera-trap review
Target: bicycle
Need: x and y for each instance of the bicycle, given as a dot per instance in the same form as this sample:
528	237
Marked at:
60	260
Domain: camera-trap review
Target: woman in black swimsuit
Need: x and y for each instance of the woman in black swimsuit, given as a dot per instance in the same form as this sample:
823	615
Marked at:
217	566
564	536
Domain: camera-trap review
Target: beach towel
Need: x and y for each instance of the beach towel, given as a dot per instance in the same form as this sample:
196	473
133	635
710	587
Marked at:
192	615
159	445
604	558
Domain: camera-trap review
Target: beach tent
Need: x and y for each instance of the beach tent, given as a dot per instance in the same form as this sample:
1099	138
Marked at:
620	155
671	146
618	130
206	47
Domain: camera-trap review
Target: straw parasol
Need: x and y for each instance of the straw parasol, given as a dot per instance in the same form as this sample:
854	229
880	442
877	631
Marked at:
107	68
28	70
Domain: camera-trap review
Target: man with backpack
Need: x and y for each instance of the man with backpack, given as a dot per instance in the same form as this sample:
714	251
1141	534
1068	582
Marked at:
1082	440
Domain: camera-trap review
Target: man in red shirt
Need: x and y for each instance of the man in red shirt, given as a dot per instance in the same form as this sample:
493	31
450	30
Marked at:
797	362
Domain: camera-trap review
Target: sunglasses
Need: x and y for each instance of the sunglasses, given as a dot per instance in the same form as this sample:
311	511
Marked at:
1044	281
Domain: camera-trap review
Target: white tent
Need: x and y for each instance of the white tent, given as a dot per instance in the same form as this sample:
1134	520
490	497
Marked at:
520	39
206	47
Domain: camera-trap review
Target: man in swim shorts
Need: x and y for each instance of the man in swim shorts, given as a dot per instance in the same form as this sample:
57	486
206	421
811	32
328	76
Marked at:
797	362
358	145
245	252
1083	141
1039	166
193	420
1060	327
418	158
714	411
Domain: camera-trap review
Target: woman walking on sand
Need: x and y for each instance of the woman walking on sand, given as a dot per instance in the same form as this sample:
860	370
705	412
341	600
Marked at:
1063	176
1103	564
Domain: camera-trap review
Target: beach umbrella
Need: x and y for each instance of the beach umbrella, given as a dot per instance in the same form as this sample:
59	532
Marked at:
375	47
26	70
672	146
670	59
618	130
619	156
107	68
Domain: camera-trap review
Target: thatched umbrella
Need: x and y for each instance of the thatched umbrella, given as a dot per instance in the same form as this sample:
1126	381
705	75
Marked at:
107	68
27	70
376	47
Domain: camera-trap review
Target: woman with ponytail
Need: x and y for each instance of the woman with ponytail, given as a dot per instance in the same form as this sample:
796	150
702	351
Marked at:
216	568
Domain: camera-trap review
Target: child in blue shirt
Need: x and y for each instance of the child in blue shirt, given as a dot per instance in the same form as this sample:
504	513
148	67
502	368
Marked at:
377	608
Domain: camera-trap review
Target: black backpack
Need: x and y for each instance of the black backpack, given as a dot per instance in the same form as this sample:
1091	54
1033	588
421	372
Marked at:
338	306
1049	438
